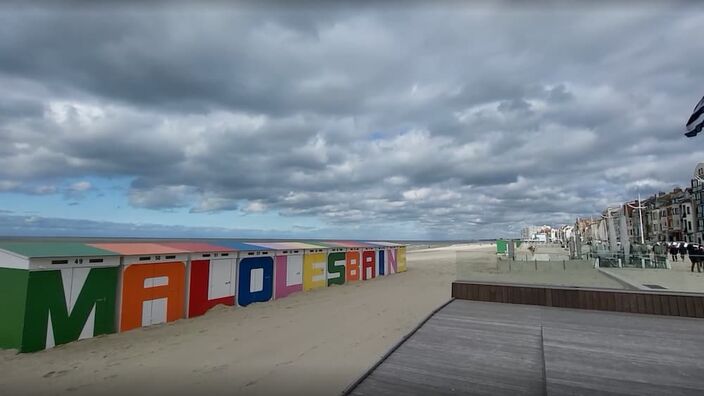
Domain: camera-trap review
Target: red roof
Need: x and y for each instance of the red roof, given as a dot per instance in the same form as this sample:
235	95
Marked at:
137	248
197	247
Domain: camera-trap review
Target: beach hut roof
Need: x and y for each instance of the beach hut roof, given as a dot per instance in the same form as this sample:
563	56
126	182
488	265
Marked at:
196	247
53	249
319	244
137	248
310	245
328	244
381	243
289	245
352	244
242	246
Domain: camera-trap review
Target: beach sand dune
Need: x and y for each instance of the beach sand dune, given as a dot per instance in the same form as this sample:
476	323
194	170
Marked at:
313	343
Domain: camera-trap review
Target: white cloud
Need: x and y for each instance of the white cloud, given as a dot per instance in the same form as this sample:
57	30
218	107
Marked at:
254	207
81	186
457	122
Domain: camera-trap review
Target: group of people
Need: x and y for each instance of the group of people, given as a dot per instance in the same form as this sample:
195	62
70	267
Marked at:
695	252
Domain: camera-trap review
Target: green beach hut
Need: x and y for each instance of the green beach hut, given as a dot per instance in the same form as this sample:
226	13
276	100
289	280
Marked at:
54	293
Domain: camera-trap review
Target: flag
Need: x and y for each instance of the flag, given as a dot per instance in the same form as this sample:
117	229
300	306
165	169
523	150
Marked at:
696	121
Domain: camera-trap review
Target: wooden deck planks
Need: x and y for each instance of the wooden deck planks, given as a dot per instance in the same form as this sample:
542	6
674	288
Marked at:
588	352
456	353
483	348
633	301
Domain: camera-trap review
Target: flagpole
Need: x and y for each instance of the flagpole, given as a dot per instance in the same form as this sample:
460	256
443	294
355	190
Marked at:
640	214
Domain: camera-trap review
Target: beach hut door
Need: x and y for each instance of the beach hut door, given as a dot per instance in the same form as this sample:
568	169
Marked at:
221	278
154	311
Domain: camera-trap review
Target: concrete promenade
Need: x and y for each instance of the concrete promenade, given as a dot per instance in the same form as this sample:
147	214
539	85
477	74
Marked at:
480	267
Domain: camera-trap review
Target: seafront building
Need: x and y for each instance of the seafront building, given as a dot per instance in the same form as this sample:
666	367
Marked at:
687	219
675	216
548	234
543	233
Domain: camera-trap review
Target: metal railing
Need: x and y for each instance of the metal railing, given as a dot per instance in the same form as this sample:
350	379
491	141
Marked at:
652	260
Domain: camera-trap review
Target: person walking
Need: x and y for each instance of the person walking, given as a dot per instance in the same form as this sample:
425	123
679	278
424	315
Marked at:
673	251
660	255
692	253
683	250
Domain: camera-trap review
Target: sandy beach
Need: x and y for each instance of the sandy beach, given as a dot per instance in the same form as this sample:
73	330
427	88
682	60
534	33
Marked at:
313	343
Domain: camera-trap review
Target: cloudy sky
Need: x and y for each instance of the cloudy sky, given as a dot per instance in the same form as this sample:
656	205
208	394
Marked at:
353	122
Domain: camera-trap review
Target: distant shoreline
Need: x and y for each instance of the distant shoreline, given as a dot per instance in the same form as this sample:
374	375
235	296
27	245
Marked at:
433	242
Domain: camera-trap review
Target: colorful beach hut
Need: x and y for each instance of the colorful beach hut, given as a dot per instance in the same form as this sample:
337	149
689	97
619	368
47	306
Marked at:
54	293
380	255
255	271
336	262
360	265
153	283
394	256
501	246
211	275
288	267
369	257
314	265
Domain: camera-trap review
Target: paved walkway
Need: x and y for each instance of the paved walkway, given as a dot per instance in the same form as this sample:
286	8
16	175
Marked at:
660	279
483	348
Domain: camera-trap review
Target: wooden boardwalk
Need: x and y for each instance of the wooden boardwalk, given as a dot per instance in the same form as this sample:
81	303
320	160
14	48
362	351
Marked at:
484	348
654	302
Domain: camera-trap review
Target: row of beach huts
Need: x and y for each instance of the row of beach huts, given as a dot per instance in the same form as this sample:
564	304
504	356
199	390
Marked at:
55	292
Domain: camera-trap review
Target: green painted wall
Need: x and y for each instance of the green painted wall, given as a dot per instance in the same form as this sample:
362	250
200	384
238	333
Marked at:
45	295
501	246
13	295
336	269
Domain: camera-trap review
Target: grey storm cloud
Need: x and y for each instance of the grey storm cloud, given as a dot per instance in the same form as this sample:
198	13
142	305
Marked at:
450	120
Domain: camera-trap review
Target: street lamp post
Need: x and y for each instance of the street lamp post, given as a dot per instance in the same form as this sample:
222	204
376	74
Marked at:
640	208
611	233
